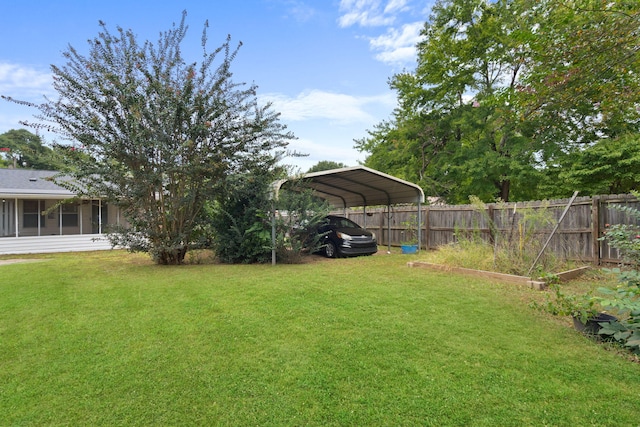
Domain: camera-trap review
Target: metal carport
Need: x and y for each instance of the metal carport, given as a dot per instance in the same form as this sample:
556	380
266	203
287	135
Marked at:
358	186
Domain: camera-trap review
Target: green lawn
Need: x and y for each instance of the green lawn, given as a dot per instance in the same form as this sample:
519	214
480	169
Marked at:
108	339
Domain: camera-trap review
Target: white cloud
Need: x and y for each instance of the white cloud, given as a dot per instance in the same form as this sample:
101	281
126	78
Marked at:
323	150
317	104
366	13
396	5
300	11
21	83
397	46
19	80
398	56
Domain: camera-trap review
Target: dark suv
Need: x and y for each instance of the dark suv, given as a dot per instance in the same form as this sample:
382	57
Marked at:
343	237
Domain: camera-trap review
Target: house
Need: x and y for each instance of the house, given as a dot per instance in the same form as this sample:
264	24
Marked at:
33	219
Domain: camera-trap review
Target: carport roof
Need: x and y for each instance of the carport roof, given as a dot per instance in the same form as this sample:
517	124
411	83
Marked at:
360	186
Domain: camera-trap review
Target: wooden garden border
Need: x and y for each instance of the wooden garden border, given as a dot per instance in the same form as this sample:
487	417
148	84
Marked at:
501	277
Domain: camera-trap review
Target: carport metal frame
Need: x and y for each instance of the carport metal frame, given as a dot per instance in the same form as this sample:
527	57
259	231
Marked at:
357	186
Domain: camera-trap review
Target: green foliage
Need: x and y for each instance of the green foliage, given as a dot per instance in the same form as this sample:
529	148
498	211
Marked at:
452	145
626	237
242	221
625	298
610	166
25	150
299	214
583	71
466	252
580	306
159	133
506	96
324	165
410	231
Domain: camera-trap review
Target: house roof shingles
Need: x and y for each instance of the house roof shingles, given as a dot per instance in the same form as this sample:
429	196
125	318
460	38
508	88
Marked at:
27	183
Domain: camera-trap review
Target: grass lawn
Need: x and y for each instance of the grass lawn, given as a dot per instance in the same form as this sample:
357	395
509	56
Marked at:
108	338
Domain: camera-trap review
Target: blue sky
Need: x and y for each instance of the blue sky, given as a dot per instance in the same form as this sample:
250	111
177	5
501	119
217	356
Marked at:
323	63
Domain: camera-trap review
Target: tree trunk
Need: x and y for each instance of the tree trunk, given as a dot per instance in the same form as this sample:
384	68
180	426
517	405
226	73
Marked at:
504	188
172	256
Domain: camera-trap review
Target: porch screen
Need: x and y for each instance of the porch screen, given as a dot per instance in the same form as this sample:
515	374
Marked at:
31	211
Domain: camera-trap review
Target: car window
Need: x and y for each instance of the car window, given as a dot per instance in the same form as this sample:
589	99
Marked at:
344	223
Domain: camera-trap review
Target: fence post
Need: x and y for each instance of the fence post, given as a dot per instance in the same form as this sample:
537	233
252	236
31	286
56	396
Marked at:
595	230
426	227
492	234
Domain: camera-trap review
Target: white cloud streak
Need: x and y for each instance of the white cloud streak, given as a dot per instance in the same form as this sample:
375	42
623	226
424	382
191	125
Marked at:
366	13
397	45
396	6
317	104
19	80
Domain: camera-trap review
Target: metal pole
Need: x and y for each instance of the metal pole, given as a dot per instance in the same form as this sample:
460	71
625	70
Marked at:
273	234
419	227
566	209
388	229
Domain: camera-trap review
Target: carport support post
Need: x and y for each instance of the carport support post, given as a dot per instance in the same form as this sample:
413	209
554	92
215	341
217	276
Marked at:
273	235
364	218
388	229
419	226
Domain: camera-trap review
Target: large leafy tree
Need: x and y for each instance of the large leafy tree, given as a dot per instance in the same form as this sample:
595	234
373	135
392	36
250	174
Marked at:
506	93
23	149
161	133
583	70
610	166
456	126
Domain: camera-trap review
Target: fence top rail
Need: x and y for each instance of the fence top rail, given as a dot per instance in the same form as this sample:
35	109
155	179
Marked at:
609	198
554	203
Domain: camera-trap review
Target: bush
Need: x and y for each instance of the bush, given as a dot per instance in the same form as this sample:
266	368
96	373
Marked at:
242	222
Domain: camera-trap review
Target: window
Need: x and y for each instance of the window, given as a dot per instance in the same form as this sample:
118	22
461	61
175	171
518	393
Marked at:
69	215
31	212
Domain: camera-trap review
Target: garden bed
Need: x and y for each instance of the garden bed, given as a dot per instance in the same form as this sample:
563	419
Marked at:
538	284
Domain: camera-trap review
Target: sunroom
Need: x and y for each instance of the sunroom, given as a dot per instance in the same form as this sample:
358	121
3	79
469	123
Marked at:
37	215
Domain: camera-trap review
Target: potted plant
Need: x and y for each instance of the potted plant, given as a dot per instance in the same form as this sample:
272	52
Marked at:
409	243
583	309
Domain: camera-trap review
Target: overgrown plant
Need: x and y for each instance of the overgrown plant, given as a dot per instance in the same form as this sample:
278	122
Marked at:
241	231
516	240
410	231
580	306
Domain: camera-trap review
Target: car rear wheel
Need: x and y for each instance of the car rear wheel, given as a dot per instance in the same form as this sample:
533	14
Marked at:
330	250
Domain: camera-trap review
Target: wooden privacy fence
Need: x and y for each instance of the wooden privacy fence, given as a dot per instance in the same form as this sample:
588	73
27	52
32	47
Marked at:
577	236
